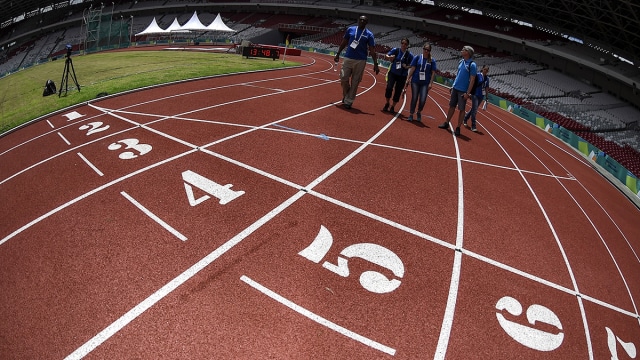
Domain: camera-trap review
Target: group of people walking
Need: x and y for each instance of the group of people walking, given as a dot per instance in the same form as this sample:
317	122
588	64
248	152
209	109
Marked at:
406	69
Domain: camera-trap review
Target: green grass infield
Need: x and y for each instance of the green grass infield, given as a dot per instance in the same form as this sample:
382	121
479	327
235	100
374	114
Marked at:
113	72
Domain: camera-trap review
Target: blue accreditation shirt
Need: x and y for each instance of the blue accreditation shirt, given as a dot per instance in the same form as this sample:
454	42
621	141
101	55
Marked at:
364	38
422	65
466	69
401	58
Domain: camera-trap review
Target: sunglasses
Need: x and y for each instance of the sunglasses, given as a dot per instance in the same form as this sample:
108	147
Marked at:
427	49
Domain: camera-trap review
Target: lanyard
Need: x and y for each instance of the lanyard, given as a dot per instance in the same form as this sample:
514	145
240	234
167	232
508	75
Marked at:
356	35
403	54
423	64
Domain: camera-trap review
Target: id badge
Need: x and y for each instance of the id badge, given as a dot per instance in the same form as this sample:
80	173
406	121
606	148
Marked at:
422	76
354	44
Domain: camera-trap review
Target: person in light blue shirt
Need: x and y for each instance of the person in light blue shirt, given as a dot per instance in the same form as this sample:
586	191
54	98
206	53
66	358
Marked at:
462	87
421	75
359	42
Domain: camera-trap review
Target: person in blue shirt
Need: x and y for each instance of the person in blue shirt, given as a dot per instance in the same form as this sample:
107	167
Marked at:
462	86
477	97
359	41
400	59
421	75
485	88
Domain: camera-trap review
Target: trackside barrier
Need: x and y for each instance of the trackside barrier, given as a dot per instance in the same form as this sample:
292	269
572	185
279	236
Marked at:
590	151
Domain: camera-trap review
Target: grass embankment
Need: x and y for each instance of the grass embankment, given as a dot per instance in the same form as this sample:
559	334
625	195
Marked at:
21	97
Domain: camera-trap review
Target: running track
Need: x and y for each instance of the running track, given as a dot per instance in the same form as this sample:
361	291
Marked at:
252	216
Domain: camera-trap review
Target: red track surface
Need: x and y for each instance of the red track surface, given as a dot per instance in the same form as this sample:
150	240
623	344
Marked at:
500	244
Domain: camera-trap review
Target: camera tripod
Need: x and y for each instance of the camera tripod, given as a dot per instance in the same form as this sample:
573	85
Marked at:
64	83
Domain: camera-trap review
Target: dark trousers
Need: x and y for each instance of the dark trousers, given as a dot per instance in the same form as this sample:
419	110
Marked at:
395	84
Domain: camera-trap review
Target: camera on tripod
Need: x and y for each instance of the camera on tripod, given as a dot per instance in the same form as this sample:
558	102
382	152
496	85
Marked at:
68	70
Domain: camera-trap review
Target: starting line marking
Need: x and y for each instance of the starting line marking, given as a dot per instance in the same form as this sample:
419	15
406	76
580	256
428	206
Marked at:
169	228
90	164
64	139
317	318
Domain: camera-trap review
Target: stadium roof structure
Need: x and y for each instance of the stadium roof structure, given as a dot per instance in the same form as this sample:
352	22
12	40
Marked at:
612	24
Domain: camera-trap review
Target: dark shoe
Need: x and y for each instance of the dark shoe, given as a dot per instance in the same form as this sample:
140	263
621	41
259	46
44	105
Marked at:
385	108
457	132
444	125
473	128
410	118
347	106
392	110
419	118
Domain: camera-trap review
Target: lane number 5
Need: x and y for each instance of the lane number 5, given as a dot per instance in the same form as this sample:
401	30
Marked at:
370	280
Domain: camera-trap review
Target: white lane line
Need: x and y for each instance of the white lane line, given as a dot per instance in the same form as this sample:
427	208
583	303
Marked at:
50	124
317	318
173	138
147	303
136	311
604	242
189	93
468	161
43	135
580	159
382	220
454	285
612	221
64	138
90	164
215	105
83	196
549	224
154	217
452	298
58	155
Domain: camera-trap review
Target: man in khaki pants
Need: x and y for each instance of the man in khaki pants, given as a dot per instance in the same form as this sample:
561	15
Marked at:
360	41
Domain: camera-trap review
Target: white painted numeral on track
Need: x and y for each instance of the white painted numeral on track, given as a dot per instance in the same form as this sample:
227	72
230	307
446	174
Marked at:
370	280
222	192
526	335
73	115
94	127
628	347
130	144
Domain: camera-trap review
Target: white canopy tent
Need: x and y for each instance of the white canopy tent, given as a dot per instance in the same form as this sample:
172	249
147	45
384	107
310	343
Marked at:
153	28
194	24
175	27
218	25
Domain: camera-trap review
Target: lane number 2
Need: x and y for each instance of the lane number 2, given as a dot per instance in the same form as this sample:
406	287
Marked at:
94	127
